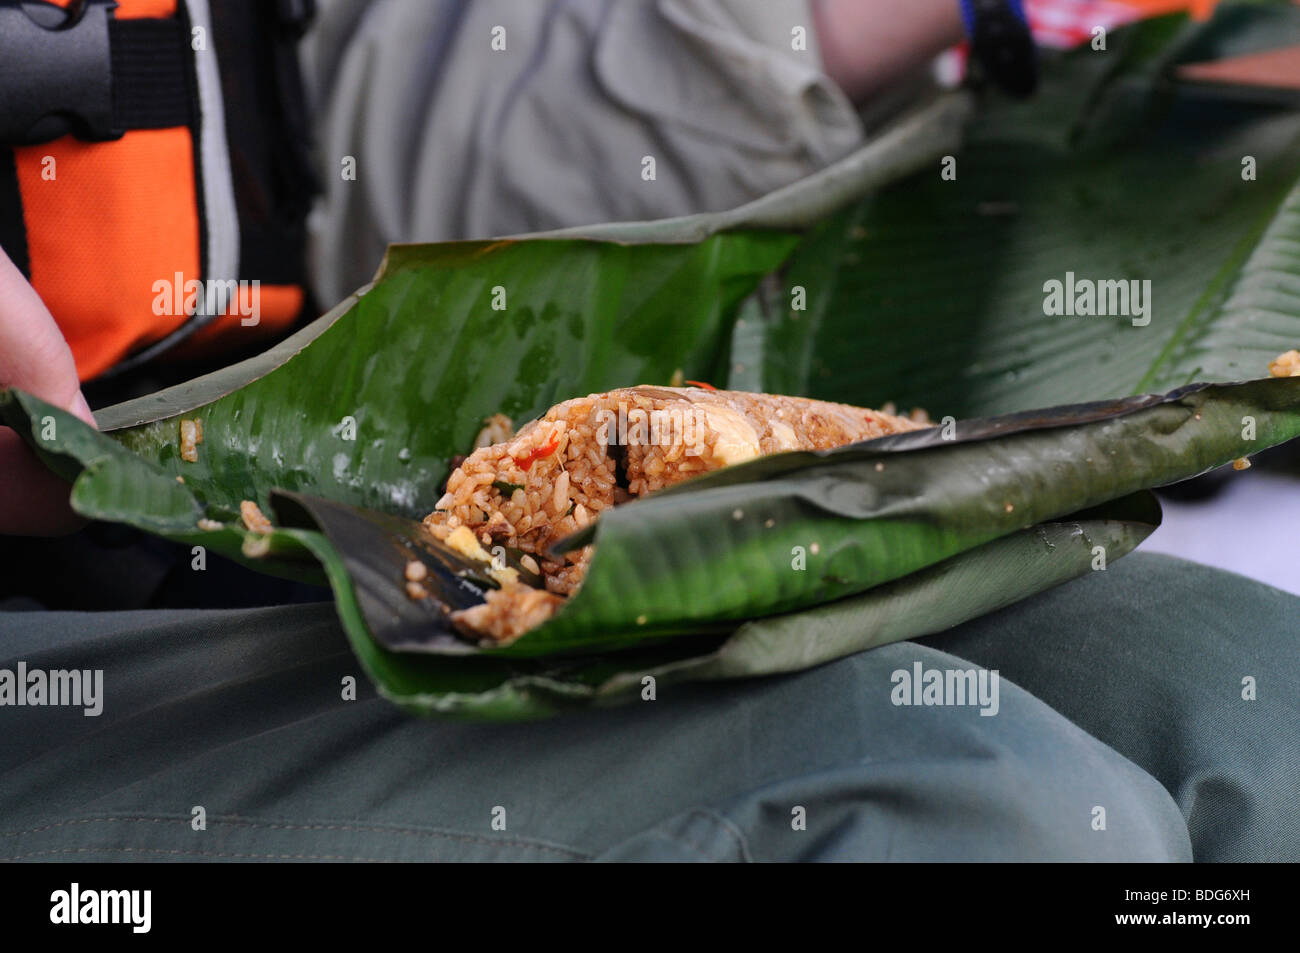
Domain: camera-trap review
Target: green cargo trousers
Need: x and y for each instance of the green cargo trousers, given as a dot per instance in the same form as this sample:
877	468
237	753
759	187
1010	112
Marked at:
1127	727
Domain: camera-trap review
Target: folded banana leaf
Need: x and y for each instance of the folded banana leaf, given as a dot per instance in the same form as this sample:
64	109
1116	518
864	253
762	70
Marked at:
897	537
963	587
344	433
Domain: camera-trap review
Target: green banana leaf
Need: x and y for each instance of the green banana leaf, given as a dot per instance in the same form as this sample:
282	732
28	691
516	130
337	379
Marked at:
345	431
963	587
368	404
934	525
931	293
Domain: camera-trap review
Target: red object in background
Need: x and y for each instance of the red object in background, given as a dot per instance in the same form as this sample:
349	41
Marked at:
1273	69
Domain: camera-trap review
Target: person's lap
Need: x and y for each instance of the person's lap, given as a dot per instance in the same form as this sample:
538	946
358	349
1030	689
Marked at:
1153	662
241	712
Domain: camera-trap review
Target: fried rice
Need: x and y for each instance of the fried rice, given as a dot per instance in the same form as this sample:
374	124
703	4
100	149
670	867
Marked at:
560	472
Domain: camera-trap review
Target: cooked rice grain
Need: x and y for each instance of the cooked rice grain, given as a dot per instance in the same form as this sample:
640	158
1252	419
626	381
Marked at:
1285	365
191	437
253	517
585	455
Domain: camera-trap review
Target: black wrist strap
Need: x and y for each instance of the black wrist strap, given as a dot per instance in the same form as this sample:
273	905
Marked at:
1002	44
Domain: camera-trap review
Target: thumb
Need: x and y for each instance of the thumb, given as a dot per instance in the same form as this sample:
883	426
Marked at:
34	357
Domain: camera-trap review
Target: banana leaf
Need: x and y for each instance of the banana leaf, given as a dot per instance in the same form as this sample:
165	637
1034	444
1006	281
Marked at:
898	537
963	587
931	292
345	431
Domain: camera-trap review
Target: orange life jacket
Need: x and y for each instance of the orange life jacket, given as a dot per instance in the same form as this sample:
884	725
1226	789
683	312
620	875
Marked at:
150	149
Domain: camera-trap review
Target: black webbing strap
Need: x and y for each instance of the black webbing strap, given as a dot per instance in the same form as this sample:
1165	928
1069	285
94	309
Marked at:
151	74
13	232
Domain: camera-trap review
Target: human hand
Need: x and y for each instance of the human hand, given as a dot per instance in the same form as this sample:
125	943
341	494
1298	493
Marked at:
33	357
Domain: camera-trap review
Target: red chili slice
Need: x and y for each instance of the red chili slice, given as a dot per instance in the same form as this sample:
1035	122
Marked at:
703	384
525	463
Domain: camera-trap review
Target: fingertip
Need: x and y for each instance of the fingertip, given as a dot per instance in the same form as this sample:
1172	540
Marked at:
82	409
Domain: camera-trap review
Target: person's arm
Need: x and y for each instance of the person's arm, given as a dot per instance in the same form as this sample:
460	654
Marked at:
35	358
866	46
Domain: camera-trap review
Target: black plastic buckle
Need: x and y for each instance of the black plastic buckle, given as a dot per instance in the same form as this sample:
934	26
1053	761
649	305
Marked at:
56	74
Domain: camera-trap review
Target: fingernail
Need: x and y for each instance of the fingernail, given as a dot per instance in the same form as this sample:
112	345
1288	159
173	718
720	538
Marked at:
82	409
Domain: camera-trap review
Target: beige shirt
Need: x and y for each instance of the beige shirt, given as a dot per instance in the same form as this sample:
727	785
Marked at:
450	138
